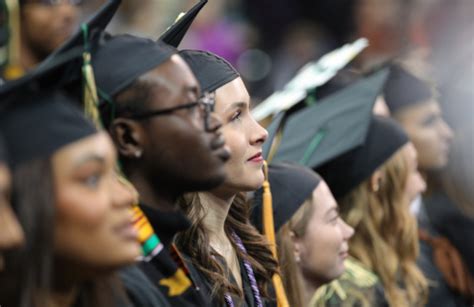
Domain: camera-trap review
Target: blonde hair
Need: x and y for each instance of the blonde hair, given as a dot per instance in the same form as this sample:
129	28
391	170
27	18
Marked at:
292	279
386	234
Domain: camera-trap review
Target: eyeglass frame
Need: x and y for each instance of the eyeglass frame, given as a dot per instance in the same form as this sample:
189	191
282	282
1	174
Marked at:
206	102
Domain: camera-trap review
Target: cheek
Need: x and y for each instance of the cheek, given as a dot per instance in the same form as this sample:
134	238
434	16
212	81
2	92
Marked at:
80	218
236	141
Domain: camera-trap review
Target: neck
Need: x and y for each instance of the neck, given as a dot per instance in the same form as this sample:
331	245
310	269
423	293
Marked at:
65	288
164	198
216	208
308	289
28	59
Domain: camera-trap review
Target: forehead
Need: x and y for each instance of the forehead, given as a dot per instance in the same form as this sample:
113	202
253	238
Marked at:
323	199
172	79
230	93
430	107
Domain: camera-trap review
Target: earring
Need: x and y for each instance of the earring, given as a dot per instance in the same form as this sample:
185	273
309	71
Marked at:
138	154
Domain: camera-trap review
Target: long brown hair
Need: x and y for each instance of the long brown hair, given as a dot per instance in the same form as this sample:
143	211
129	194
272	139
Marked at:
292	279
385	238
195	243
28	276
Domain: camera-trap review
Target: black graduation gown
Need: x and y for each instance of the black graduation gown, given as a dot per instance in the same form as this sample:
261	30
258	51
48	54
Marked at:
440	294
451	223
166	270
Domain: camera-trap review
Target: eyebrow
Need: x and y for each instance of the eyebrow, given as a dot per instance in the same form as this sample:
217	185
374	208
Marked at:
236	105
332	209
193	89
89	158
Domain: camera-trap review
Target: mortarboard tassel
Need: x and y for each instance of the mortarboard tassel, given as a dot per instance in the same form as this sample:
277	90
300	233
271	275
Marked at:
269	231
90	97
151	244
13	69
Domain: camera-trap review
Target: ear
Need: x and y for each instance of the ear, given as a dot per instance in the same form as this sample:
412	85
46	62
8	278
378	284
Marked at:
128	136
297	244
376	180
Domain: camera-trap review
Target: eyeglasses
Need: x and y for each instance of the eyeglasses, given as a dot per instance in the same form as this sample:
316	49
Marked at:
205	105
52	2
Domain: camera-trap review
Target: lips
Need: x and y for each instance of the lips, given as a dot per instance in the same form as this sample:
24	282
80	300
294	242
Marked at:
256	158
127	231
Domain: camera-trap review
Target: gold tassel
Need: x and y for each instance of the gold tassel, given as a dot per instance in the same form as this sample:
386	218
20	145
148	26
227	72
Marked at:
13	69
269	231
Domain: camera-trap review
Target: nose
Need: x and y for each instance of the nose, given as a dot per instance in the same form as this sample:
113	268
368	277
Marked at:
446	131
259	134
123	193
421	182
348	231
68	11
213	122
11	234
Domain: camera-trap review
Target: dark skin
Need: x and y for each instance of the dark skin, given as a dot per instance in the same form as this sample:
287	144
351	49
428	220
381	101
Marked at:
167	156
44	28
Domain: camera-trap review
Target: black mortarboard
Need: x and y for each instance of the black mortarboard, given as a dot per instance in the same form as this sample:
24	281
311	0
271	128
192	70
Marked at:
403	89
39	124
119	60
338	123
96	23
37	121
175	33
345	172
211	70
290	186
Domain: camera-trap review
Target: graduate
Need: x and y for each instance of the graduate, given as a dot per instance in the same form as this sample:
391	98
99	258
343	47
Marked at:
225	252
151	105
414	105
11	233
33	30
312	239
370	167
74	210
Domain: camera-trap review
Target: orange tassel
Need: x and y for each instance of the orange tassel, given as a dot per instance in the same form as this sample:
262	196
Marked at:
269	231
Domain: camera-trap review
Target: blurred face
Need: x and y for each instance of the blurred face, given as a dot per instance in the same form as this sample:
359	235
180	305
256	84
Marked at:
325	245
415	184
11	234
243	135
177	147
46	26
93	221
429	133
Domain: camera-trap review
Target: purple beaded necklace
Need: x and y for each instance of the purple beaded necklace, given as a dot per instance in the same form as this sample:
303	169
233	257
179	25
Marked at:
250	274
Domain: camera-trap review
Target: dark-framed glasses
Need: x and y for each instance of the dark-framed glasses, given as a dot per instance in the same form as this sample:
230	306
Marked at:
205	106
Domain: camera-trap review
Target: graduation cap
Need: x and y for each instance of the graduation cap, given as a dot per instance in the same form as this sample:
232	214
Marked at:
119	60
404	89
344	131
290	185
211	70
345	172
315	134
97	22
175	33
36	122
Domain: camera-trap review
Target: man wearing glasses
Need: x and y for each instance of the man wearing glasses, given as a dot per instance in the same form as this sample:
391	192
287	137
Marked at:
169	143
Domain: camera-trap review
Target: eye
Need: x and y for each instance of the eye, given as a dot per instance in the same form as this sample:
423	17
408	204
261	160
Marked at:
92	181
236	115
